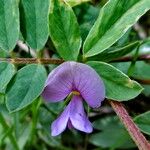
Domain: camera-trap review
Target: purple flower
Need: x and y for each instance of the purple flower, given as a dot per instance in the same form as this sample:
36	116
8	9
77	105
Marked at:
84	83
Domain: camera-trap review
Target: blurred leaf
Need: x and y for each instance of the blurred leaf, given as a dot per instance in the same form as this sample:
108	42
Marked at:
6	73
118	86
141	70
73	3
146	91
115	138
107	123
34	22
86	15
143	122
111	26
114	53
113	134
49	140
64	30
9	24
25	87
122	66
24	135
55	107
46	118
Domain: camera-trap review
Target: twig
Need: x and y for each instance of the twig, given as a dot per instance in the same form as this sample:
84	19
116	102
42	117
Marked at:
130	58
59	61
142	81
131	127
32	60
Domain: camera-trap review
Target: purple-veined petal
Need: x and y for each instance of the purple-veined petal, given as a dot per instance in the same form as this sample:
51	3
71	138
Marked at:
78	118
59	83
71	76
60	124
89	84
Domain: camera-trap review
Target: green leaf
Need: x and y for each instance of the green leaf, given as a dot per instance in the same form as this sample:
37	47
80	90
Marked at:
141	70
115	18
107	123
89	14
25	87
6	73
114	53
143	122
64	30
9	24
118	86
24	134
116	138
108	138
34	22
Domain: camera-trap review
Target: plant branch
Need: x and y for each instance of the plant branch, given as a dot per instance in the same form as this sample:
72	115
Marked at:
131	127
59	61
130	58
142	81
32	60
45	61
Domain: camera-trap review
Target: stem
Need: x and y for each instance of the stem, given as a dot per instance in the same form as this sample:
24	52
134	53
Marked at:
11	137
130	58
35	107
32	60
16	123
86	142
142	81
59	61
131	127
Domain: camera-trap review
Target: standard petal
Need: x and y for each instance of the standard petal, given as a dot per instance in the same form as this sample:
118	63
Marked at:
89	84
59	83
60	124
78	118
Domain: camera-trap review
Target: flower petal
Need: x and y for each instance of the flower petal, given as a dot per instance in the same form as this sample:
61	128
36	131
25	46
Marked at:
74	76
60	124
89	84
59	83
78	117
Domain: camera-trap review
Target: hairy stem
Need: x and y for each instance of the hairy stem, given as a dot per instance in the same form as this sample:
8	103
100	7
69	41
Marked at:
59	61
130	58
131	127
32	60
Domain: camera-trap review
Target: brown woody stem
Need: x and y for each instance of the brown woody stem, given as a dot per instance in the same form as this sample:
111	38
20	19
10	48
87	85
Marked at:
131	127
59	61
130	58
32	60
142	81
